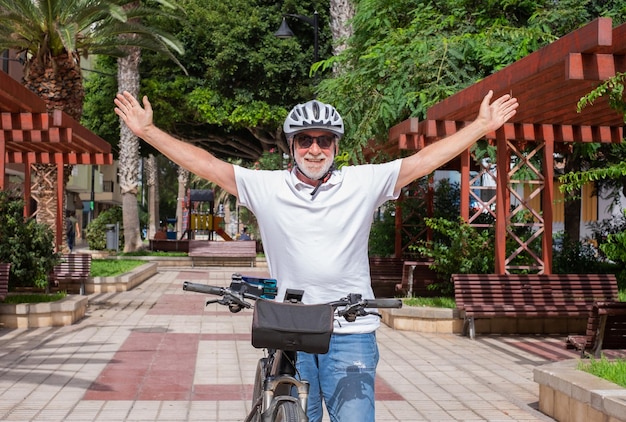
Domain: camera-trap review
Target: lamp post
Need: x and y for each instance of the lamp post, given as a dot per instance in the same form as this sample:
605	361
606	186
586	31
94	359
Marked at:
285	32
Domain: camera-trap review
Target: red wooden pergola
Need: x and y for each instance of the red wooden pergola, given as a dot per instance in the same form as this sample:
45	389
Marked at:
548	84
29	134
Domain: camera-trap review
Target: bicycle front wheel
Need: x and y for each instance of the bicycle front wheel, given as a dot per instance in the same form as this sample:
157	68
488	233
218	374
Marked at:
257	392
287	411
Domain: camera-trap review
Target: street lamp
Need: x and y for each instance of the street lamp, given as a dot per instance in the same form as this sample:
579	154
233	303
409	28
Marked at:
285	32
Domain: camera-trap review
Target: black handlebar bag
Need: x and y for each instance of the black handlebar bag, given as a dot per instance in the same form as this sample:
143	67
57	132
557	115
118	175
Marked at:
292	326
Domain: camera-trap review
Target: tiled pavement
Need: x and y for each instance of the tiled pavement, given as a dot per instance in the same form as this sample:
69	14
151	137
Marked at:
155	353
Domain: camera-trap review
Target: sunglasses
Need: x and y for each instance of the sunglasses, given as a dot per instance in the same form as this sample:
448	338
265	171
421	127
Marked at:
305	141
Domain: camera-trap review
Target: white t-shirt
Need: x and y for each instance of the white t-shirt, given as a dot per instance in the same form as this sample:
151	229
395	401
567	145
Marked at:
319	243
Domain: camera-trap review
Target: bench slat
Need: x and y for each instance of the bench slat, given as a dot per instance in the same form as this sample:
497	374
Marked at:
74	268
530	295
242	250
606	329
385	273
4	279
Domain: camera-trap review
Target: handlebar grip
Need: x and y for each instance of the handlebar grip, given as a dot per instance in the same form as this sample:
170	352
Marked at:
384	303
203	288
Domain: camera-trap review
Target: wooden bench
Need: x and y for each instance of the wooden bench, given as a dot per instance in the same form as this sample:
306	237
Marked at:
385	273
4	279
606	329
417	276
234	253
169	245
530	295
74	269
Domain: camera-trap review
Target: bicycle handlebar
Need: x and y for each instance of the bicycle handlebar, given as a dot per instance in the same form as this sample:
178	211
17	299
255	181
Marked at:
235	297
203	288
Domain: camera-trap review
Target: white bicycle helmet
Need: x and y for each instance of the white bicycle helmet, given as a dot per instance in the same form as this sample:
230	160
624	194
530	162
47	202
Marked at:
313	115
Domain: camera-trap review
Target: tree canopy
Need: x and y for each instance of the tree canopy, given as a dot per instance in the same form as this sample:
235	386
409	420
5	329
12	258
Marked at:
404	56
407	55
242	79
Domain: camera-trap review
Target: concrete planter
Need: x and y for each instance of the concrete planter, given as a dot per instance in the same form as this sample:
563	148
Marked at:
48	314
72	308
568	394
122	282
447	320
423	319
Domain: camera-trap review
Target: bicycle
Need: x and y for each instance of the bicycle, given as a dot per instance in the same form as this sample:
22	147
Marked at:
276	376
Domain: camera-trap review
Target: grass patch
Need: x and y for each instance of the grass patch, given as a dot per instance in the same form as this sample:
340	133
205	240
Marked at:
34	297
433	302
113	267
610	370
153	253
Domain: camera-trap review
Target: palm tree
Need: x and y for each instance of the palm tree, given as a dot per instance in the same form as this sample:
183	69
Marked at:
52	36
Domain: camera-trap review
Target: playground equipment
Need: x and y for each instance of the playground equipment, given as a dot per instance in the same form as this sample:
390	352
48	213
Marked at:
201	220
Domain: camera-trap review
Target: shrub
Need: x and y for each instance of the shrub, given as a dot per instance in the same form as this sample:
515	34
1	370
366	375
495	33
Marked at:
26	244
457	248
96	230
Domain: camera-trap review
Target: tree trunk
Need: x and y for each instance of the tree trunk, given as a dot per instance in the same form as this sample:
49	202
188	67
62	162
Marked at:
341	11
128	80
572	205
58	81
183	180
152	182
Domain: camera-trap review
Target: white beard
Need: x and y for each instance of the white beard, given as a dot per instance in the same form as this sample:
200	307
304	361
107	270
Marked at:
317	171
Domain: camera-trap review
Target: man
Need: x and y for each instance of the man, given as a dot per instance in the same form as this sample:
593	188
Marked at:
315	221
72	230
161	234
244	234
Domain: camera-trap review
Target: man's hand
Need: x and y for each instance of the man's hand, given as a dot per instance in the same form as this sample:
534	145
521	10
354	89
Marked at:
138	119
494	115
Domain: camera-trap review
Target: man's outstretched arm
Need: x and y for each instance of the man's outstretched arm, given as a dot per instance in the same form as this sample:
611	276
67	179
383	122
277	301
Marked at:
195	159
491	116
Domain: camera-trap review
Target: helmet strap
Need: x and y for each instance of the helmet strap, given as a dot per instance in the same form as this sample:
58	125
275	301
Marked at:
322	179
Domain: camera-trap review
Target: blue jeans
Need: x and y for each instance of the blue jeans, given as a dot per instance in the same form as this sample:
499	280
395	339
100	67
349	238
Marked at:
343	378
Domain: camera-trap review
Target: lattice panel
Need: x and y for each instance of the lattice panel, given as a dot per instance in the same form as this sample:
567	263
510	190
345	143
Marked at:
525	224
483	207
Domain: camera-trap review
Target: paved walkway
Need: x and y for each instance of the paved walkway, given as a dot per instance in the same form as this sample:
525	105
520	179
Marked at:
155	353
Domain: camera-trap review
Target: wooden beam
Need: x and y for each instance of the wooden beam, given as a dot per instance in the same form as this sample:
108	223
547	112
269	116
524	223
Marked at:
2	165
597	36
408	126
16	98
590	67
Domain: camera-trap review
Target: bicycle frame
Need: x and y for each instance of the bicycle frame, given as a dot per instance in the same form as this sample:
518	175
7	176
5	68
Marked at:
275	379
278	380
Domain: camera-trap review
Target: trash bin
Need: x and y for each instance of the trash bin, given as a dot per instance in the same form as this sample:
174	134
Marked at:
112	232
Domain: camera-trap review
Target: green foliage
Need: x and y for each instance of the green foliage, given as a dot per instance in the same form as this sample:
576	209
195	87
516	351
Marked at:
457	248
96	230
273	160
615	247
113	267
577	257
34	297
433	302
242	79
609	236
27	245
408	55
613	168
382	233
81	28
613	370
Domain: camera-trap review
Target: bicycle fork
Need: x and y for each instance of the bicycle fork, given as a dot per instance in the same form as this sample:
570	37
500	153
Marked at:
285	383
